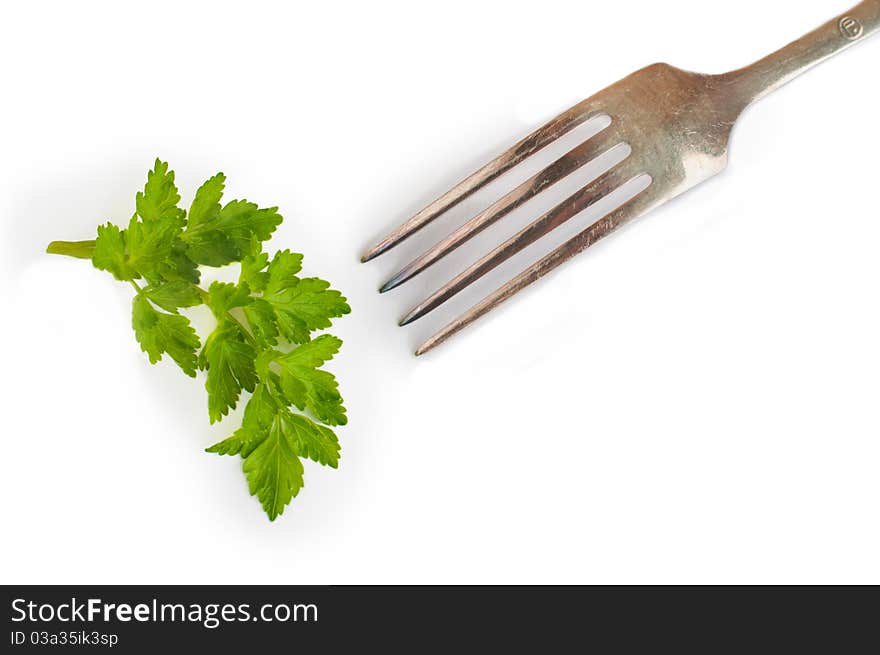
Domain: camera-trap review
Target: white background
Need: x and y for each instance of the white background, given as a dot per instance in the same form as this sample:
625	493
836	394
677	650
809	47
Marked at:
693	401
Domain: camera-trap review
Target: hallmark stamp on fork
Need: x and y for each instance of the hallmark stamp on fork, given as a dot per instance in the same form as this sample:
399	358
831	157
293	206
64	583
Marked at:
851	28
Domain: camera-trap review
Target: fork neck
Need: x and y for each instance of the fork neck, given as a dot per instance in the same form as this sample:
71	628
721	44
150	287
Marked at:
765	76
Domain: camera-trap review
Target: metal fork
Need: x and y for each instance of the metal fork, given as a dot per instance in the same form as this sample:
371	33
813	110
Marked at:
677	124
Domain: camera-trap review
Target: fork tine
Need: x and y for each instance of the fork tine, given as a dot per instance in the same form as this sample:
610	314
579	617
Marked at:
565	165
559	126
565	210
629	211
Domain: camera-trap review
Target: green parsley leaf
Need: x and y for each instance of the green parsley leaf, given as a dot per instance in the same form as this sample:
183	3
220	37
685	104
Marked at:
305	305
258	415
223	296
160	333
260	316
109	254
159	199
149	244
206	205
241	220
177	266
229	360
273	469
282	271
211	248
271	440
172	295
253	267
309	388
206	245
314	441
219	236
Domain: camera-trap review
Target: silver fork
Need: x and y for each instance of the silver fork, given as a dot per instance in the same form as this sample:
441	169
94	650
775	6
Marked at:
677	124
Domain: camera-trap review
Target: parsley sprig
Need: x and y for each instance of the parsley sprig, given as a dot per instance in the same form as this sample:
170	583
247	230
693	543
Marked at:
262	343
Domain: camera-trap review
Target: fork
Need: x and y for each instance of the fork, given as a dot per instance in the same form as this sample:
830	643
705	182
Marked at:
677	125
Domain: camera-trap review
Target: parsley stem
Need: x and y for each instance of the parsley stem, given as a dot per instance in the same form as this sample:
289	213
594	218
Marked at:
78	249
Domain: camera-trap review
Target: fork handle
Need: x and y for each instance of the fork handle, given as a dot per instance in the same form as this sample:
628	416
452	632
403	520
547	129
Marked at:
764	76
